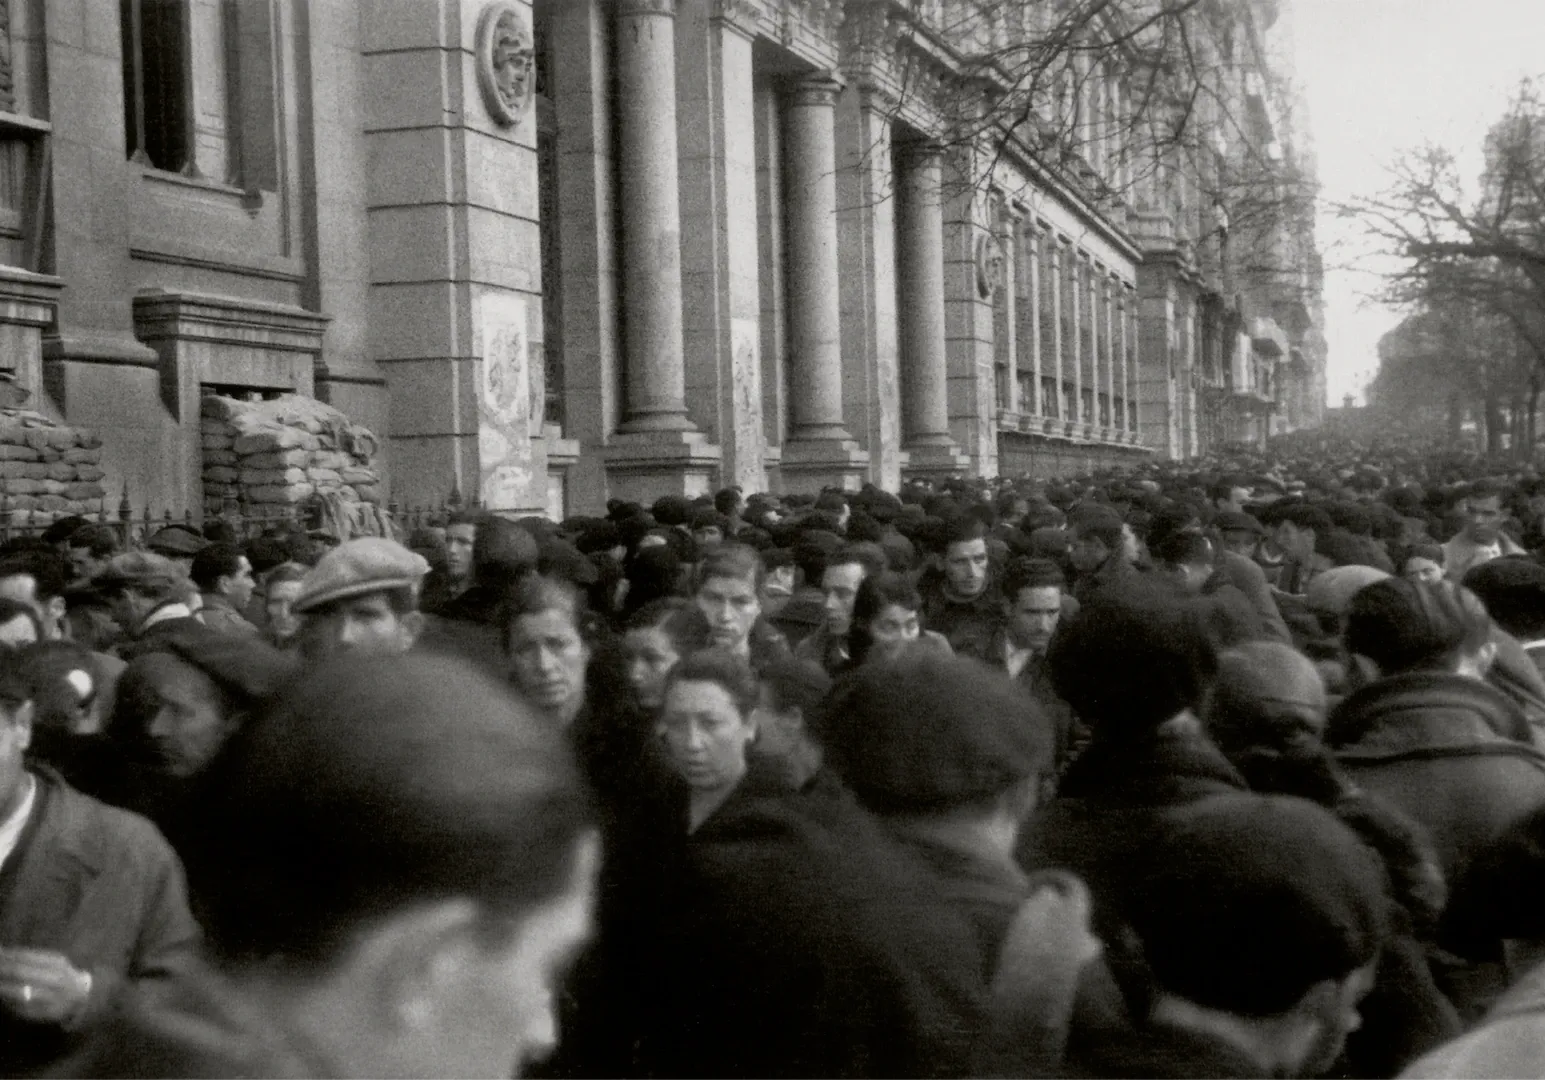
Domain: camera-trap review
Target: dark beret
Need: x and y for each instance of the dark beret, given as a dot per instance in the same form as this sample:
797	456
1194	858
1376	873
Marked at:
932	734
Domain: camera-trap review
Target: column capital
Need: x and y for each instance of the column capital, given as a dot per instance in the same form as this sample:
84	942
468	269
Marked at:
739	15
816	90
632	8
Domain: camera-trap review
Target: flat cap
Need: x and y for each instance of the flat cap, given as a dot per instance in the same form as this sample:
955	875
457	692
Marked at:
1238	521
176	542
364	565
144	569
1331	592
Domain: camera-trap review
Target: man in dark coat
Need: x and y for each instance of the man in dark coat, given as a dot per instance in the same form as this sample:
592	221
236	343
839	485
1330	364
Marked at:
91	899
1430	735
963	602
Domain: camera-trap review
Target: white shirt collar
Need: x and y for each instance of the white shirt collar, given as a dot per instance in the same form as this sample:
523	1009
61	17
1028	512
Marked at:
10	829
165	612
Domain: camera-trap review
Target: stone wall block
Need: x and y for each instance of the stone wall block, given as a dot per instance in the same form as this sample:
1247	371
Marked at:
249	477
54	503
77	456
216	441
318	476
84	491
263	442
220	457
11	452
60	471
90	473
220	474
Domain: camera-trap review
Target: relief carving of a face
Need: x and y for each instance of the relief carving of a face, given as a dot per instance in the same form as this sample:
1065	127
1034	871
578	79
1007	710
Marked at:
507	62
989	265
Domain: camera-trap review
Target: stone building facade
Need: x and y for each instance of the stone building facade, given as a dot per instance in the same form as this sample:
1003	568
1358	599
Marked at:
601	248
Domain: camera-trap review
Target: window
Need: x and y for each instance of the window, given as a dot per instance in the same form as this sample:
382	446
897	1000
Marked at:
156	83
199	89
548	218
1050	398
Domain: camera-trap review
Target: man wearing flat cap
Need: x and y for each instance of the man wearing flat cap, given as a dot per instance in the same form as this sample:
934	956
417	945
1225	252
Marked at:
362	596
145	592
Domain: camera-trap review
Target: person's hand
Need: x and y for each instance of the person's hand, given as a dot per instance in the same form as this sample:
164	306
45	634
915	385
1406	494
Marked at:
42	986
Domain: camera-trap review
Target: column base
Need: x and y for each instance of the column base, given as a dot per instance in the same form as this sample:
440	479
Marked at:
641	467
815	464
935	461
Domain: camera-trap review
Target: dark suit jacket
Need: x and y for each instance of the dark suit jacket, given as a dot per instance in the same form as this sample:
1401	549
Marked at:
101	886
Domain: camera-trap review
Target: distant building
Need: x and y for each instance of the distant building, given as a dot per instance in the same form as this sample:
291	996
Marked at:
589	249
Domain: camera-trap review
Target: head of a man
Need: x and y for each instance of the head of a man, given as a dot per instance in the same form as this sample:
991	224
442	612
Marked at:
460	537
836	504
16	712
845	571
1187	559
361	597
729	594
1229	494
136	583
965	557
1264	915
1296	528
1097	535
178	543
1033	588
90	548
38	579
1483	513
223	570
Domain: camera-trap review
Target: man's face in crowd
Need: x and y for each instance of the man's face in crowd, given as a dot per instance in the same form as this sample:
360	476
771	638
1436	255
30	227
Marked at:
839	587
458	550
1295	543
893	629
238	586
23	588
965	565
709	536
1037	610
1237	497
1422	570
1240	542
1087	552
731	606
191	721
15	738
705	734
86	566
365	625
1483	518
778	589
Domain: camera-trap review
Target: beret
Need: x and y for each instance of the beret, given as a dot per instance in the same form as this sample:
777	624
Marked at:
1261	672
364	565
143	568
1238	521
1244	901
1331	592
176	541
932	734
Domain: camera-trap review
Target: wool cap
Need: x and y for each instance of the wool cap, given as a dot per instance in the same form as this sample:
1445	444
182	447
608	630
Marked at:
1243	902
1268	672
366	564
1238	521
144	570
1331	592
932	733
177	542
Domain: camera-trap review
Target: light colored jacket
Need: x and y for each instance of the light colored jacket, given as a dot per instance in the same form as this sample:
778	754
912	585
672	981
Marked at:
1509	1042
1461	553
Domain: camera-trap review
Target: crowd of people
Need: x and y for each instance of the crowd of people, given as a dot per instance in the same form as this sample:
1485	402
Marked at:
1233	768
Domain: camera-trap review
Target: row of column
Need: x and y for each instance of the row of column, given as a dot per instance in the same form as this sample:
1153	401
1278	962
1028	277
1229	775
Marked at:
1062	286
655	385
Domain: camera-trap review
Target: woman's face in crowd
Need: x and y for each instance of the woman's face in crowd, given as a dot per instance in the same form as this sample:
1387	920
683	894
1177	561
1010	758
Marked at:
281	619
651	655
893	629
731	606
705	734
548	658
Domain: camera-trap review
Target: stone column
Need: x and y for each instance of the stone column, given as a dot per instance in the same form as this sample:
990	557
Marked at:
1054	285
1091	274
657	450
1132	364
651	218
1073	282
1109	301
866	232
1006	339
920	264
1030	317
719	243
819	445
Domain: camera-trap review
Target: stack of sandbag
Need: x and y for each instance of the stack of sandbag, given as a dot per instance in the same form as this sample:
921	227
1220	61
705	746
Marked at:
284	451
47	470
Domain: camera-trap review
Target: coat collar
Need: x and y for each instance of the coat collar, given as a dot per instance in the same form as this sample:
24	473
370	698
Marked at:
1423	711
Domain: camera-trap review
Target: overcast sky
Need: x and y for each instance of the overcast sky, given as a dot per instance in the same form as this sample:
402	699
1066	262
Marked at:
1381	76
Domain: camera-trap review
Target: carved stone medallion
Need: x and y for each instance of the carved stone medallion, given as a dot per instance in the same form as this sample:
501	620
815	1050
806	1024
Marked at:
989	265
506	62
